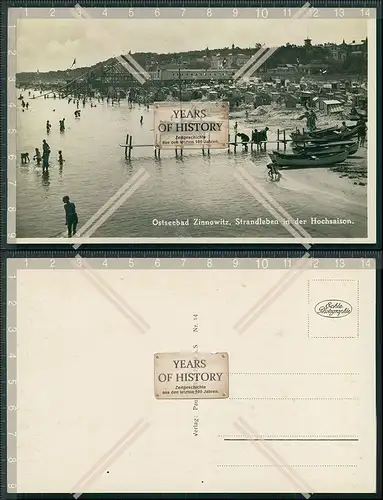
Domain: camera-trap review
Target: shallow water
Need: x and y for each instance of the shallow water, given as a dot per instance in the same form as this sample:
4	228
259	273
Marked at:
194	186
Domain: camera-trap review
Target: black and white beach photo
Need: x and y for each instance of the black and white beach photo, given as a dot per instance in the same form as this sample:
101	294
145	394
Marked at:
295	157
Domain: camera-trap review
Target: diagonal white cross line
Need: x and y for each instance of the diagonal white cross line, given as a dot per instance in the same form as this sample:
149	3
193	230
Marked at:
141	75
114	297
295	229
134	63
112	204
110	456
303	12
272	295
276	459
252	60
273	207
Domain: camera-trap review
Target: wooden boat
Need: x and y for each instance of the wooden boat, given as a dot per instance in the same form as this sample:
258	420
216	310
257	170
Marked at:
329	136
317	151
286	160
320	149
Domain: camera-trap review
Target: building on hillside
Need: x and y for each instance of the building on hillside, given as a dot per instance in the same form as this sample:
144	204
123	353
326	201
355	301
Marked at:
313	68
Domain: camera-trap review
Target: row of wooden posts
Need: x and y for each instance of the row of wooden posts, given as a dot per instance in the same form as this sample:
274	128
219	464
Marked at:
281	139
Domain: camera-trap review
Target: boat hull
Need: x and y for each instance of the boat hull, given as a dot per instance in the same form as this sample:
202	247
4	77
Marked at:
307	161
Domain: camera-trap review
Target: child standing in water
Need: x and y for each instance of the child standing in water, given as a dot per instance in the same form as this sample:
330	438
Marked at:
61	159
37	156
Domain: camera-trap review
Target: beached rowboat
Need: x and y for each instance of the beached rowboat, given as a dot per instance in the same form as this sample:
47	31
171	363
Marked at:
319	149
292	160
329	136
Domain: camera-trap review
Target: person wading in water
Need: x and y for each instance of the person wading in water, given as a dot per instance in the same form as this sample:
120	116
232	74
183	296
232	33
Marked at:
46	153
71	218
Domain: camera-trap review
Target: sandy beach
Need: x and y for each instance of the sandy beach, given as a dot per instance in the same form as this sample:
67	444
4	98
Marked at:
272	116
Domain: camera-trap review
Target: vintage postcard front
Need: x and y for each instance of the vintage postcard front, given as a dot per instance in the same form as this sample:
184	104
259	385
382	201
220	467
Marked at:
204	375
225	125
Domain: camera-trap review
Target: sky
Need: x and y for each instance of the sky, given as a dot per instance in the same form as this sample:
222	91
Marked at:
52	44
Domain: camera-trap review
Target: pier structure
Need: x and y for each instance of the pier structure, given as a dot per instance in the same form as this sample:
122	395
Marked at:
232	145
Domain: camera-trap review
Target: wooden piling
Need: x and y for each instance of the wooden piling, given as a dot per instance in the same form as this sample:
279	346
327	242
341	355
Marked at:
176	151
284	140
235	143
278	133
228	143
203	150
130	147
126	148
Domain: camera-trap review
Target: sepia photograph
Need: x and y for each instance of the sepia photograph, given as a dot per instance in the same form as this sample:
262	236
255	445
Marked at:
195	130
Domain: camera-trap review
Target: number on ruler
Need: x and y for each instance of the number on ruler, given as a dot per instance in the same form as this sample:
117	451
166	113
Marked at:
52	12
79	261
183	12
12	486
52	263
262	13
340	263
315	263
339	12
235	263
209	263
209	12
12	460
366	263
157	263
12	382
131	12
11	209
287	263
12	408
11	78
157	12
365	12
183	262
105	12
105	263
314	12
235	12
287	12
12	434
12	105
12	329
12	131
11	355
131	263
262	263
11	52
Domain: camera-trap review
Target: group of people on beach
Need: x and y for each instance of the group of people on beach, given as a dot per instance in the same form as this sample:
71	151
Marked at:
44	158
258	137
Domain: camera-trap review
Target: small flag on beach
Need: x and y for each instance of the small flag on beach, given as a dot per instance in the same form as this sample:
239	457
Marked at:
73	63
